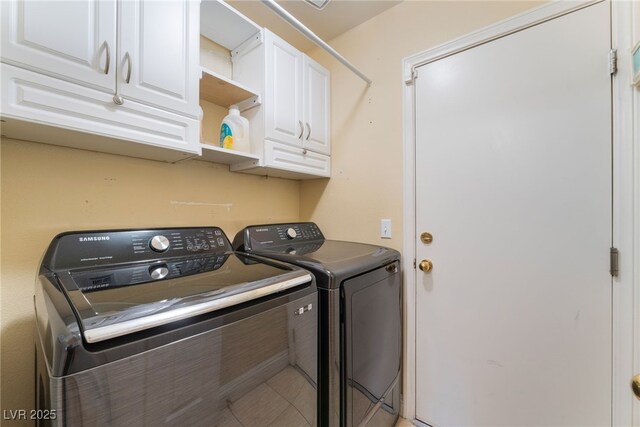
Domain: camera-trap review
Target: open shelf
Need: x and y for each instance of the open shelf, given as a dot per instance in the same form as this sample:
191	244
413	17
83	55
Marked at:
225	25
212	153
225	92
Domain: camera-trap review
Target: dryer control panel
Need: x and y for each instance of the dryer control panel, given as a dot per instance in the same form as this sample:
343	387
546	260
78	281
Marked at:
270	235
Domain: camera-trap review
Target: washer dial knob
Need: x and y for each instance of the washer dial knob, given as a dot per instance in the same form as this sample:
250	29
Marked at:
291	233
158	272
159	243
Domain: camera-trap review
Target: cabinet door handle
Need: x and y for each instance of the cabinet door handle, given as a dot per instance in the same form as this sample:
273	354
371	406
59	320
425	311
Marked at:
301	129
108	64
309	130
129	66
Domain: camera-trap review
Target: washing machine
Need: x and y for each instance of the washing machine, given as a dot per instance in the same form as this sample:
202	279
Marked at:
360	324
171	327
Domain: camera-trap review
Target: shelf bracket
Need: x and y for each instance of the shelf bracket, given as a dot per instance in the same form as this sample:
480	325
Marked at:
247	46
249	103
249	164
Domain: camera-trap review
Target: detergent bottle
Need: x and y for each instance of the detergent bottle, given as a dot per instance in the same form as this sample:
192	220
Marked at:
234	131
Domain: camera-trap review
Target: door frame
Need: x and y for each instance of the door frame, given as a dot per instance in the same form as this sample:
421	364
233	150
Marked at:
626	197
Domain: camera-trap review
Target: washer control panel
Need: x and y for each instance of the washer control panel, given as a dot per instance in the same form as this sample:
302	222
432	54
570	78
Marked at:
106	278
85	249
269	235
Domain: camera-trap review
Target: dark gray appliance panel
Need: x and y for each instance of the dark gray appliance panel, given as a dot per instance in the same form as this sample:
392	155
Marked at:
205	380
372	333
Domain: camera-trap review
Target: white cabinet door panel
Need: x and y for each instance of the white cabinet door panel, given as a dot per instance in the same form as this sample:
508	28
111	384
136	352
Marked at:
72	40
158	54
283	91
316	106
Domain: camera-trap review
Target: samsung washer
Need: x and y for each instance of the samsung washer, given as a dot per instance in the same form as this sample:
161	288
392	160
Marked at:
171	327
360	324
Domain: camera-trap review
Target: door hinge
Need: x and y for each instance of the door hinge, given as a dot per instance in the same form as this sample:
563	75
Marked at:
409	80
613	261
613	61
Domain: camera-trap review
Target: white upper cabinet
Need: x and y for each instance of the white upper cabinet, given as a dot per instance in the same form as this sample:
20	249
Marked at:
283	90
290	130
72	40
316	90
297	90
158	51
124	74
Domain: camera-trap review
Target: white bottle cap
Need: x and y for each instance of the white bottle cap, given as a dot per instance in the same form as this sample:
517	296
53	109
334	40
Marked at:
234	110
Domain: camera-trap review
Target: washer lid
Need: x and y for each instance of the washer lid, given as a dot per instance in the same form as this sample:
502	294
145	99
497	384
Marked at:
123	299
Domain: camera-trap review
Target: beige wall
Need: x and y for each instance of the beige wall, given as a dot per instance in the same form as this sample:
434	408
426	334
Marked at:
366	180
48	189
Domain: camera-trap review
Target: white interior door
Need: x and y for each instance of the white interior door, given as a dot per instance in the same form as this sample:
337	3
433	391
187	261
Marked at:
513	180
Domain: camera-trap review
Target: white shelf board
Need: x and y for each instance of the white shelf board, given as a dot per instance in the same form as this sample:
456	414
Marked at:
225	25
212	153
277	173
223	91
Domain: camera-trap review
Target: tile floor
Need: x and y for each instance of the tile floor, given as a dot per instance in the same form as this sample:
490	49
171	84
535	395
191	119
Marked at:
285	400
363	405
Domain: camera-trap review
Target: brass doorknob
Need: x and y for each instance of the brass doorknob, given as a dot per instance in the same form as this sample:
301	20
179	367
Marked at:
426	265
426	238
635	385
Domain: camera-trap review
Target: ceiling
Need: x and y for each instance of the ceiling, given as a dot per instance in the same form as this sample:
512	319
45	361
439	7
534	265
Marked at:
336	18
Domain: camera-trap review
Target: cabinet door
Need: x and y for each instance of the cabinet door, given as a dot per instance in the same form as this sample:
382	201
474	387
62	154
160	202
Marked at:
158	54
316	93
283	98
71	40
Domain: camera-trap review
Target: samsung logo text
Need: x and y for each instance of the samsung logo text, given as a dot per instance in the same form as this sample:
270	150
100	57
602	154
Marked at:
93	238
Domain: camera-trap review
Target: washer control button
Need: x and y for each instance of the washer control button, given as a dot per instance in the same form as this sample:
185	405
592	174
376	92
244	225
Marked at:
158	272
291	233
159	243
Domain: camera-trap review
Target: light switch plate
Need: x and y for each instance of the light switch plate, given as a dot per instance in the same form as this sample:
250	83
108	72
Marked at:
385	228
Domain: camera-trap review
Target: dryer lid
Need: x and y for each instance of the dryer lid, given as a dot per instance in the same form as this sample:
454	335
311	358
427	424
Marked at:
332	261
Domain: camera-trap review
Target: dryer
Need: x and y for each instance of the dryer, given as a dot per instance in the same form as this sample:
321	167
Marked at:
360	321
